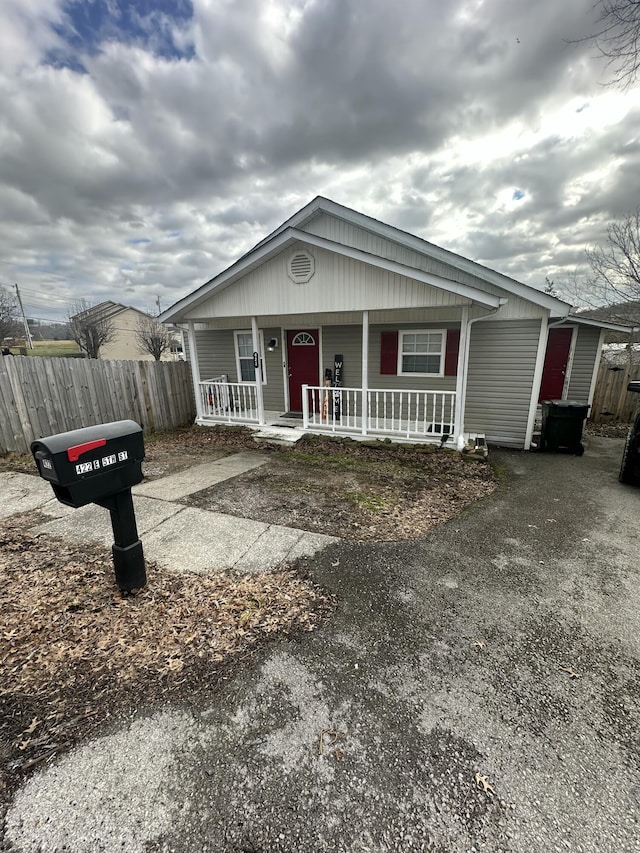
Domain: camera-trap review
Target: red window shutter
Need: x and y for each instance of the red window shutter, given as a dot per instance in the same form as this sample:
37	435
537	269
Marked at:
388	353
451	352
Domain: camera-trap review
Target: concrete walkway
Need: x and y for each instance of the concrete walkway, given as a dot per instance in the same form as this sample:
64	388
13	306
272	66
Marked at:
173	535
199	477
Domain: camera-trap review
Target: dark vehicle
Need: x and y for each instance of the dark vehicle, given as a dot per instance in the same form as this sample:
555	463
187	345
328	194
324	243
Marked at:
630	467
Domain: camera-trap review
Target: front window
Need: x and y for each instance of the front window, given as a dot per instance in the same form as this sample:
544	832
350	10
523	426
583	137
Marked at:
244	357
421	353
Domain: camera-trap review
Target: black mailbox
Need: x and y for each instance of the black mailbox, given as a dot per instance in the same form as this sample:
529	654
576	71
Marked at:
86	465
99	464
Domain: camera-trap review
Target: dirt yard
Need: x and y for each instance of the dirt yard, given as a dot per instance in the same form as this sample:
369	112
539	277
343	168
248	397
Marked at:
365	491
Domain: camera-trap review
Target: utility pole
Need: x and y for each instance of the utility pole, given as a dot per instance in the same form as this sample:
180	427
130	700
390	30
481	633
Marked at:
27	330
158	304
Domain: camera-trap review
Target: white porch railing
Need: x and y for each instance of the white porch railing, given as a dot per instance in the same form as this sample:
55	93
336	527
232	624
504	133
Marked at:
229	401
411	414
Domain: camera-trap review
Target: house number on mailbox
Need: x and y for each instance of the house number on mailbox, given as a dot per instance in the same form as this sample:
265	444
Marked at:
85	467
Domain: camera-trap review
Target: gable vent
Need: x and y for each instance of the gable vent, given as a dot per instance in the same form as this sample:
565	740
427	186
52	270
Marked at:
301	267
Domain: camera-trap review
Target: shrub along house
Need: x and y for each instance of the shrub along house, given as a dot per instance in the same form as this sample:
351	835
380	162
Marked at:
357	327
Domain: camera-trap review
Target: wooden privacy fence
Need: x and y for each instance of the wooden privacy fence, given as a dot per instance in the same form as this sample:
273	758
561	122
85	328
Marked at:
611	400
43	396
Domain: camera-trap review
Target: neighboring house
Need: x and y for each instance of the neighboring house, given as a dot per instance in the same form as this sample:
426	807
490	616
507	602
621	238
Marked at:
124	344
422	343
624	313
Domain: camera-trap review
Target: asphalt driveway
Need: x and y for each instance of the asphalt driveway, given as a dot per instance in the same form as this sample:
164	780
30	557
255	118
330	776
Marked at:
502	651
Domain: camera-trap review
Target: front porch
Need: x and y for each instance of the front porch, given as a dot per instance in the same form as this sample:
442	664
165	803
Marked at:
399	415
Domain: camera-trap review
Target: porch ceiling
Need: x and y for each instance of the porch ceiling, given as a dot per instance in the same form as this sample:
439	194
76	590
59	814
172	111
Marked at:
440	314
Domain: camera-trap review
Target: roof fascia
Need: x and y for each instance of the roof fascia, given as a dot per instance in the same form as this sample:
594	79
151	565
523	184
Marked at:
600	324
301	217
225	278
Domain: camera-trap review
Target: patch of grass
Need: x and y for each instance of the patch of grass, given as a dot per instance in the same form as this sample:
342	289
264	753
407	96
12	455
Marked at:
335	461
368	501
50	349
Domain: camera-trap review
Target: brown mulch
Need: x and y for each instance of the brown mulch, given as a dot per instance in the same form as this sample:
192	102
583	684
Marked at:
74	651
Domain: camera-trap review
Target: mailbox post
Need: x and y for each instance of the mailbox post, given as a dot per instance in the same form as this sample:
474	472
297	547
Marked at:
100	464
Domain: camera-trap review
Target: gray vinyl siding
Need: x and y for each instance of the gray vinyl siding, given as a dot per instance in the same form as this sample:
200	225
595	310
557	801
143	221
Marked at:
502	360
217	355
404	383
347	342
585	355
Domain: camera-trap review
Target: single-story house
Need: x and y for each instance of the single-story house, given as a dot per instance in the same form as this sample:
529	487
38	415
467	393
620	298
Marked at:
123	342
358	328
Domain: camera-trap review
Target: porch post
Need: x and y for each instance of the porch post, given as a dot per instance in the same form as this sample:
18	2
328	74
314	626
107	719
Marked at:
195	368
461	378
256	348
537	379
365	370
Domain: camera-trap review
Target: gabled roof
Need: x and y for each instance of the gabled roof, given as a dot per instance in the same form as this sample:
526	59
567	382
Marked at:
106	310
618	315
291	231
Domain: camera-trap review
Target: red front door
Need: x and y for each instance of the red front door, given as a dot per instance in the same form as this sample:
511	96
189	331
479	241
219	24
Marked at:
555	364
303	359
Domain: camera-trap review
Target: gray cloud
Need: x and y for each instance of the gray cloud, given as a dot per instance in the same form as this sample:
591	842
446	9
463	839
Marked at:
204	154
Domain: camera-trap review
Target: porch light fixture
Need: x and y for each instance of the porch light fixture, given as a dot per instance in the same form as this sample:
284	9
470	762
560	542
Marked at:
272	345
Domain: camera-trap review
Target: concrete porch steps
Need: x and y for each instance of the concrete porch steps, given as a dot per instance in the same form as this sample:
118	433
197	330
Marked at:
277	435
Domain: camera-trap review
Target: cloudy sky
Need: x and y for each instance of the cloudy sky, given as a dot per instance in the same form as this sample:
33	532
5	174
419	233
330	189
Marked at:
145	145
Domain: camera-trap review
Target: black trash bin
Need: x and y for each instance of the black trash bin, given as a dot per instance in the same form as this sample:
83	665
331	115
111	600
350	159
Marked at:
562	423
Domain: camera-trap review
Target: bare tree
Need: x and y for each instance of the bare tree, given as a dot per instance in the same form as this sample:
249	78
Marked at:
152	337
91	327
615	265
9	323
618	38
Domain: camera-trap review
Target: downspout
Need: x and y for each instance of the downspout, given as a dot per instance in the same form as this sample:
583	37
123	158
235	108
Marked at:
465	369
195	369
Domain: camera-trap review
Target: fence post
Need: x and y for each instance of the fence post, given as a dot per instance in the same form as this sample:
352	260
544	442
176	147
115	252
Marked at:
305	406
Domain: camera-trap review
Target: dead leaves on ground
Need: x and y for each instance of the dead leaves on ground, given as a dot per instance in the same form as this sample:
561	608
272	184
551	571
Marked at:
327	743
483	783
71	647
571	671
